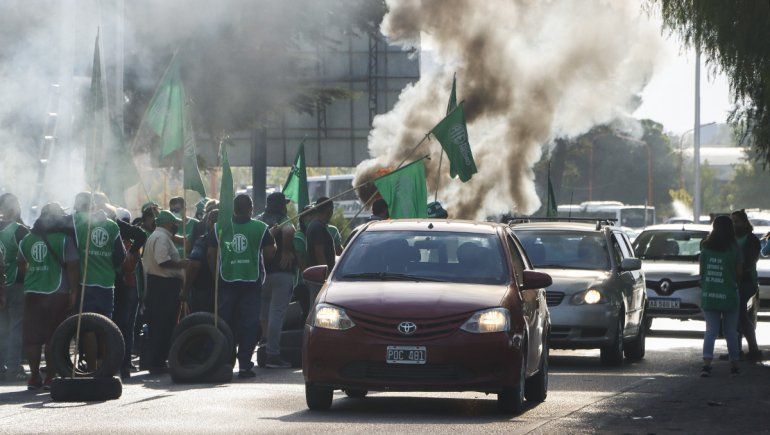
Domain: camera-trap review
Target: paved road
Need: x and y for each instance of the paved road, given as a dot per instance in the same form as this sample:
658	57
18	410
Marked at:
581	394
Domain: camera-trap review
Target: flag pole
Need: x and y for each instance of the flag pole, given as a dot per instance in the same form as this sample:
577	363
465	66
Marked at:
438	174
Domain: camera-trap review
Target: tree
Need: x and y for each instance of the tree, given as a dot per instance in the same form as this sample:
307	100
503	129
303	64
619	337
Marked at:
748	188
733	36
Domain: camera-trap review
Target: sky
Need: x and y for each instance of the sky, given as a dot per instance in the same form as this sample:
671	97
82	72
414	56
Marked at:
669	98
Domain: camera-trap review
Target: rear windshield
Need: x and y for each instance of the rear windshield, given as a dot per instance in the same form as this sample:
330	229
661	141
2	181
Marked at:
669	245
565	249
425	255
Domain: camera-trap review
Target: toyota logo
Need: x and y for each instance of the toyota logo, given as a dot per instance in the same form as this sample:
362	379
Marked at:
407	328
665	286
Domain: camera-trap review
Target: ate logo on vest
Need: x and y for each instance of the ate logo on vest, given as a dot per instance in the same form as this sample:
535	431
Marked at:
99	237
39	251
239	244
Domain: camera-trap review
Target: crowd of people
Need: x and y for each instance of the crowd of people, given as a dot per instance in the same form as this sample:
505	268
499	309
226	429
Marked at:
146	273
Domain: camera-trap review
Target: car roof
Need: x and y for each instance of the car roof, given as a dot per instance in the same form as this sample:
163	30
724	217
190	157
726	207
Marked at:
546	226
449	225
678	227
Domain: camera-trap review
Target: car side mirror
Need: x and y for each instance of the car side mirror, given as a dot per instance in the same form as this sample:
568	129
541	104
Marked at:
316	274
629	264
536	280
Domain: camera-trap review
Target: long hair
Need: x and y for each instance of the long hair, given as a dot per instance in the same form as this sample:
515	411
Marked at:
741	215
722	235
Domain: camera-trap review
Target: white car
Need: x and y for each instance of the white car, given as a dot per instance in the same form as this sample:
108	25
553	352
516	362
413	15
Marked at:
763	270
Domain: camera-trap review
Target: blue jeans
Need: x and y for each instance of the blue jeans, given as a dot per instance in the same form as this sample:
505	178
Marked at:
239	305
99	300
276	296
713	323
10	328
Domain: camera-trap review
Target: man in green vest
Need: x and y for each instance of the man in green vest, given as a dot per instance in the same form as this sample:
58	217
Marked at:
177	206
244	246
95	232
12	231
49	259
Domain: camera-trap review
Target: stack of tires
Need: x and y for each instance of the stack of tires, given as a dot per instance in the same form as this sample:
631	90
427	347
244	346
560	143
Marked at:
201	352
87	385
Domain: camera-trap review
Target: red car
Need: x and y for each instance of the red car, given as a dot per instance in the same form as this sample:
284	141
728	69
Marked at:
429	306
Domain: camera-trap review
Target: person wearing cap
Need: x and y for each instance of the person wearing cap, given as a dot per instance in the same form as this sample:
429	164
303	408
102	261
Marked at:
12	231
199	278
245	246
320	243
50	261
164	270
279	280
379	210
177	206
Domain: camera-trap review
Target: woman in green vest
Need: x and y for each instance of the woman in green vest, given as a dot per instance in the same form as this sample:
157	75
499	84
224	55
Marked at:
721	266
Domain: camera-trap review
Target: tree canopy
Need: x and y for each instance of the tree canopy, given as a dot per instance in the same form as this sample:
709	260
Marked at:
733	37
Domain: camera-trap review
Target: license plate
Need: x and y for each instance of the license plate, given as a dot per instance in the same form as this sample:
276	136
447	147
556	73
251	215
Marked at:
666	304
406	355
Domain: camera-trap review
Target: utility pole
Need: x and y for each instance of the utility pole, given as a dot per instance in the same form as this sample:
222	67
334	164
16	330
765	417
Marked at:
696	140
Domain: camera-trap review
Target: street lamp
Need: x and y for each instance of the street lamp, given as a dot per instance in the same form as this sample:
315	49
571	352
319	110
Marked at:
681	152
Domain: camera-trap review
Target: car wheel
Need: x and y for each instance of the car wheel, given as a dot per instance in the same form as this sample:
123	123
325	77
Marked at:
648	323
635	349
356	393
536	387
318	398
511	399
612	354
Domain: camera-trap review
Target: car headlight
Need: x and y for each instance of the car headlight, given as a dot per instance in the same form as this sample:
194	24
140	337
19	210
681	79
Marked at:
591	296
330	317
491	320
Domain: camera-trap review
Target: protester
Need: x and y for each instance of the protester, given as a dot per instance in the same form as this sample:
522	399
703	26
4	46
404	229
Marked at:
379	210
199	278
320	245
749	284
49	258
164	269
177	206
12	231
721	270
300	252
246	245
201	228
279	278
336	238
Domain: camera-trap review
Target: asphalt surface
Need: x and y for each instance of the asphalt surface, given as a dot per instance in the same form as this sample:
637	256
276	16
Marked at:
584	397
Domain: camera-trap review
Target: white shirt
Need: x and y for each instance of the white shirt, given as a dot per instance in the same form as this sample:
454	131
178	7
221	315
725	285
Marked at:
159	249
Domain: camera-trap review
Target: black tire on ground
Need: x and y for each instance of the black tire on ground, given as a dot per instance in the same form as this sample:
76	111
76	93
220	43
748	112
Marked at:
86	389
204	318
107	335
510	400
318	398
635	349
356	393
196	352
536	387
221	375
612	354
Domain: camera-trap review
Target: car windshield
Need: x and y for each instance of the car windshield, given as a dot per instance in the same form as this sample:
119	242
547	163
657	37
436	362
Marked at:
565	249
676	245
424	256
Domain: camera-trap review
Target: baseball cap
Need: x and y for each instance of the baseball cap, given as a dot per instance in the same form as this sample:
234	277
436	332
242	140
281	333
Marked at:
148	205
276	198
165	217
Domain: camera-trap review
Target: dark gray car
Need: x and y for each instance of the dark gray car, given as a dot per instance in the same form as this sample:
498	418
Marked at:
598	296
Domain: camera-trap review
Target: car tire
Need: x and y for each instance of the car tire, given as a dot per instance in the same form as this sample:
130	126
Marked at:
356	393
510	400
195	353
612	354
106	331
205	318
648	323
536	387
86	389
635	350
318	398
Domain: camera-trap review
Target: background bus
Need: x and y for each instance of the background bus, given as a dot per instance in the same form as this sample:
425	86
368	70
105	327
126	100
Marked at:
333	185
631	216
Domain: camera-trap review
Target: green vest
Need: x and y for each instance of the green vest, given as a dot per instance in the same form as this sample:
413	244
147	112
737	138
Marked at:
189	226
300	250
10	250
44	272
719	286
101	271
240	251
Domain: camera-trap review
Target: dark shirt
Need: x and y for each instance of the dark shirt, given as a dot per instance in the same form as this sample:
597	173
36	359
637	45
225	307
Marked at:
273	219
318	235
134	234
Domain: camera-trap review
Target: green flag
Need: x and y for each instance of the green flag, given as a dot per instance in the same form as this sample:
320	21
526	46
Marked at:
452	97
120	171
404	191
226	192
551	209
97	119
295	187
452	133
167	116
